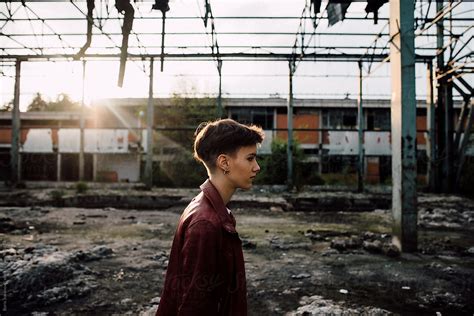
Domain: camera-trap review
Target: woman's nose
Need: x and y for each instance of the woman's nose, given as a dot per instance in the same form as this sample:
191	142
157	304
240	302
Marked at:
257	167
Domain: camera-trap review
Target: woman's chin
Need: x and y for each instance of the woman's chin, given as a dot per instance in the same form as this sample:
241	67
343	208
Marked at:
247	186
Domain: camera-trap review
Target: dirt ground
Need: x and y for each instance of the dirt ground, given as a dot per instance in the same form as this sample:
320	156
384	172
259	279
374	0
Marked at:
104	261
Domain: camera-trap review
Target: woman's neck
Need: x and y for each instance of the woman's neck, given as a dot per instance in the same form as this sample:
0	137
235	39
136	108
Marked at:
225	189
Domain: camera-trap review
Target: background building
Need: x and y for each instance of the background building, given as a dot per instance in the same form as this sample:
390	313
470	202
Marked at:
115	136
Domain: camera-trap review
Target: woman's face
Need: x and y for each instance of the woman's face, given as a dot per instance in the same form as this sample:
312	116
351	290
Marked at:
243	167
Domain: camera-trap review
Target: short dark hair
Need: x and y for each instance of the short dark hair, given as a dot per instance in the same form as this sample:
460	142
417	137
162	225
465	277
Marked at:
224	136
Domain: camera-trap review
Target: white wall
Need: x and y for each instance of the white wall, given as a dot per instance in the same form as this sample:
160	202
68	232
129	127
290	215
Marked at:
126	166
95	140
38	140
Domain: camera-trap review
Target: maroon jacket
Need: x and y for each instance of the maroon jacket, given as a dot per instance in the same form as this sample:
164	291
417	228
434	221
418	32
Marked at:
206	273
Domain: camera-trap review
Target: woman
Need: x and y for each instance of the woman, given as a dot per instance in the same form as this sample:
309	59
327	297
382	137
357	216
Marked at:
206	273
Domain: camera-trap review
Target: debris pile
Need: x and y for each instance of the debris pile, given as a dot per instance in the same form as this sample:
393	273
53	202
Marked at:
317	305
42	274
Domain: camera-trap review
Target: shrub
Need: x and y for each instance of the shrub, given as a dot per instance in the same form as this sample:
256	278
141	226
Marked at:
183	171
274	167
57	195
81	187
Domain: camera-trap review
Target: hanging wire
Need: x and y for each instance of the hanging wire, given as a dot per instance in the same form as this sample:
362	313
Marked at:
214	43
103	33
33	29
422	26
315	25
141	47
9	17
62	41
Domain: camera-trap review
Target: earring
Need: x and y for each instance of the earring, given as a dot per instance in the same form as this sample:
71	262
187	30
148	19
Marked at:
226	171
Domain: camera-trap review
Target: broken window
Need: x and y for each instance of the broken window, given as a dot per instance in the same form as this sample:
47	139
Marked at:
259	116
340	118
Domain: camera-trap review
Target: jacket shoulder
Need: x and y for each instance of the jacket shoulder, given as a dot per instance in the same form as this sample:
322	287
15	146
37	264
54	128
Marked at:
200	209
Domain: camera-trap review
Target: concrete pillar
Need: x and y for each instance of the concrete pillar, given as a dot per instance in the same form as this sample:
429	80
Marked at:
150	123
361	126
403	111
289	148
16	124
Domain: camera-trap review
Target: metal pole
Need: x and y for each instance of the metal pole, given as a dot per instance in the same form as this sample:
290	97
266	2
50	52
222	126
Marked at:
448	162
58	166
403	116
163	40
149	129
219	97
289	148
360	113
441	171
464	142
431	122
15	147
81	125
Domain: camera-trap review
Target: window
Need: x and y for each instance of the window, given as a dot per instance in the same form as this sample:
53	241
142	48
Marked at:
259	116
382	119
340	118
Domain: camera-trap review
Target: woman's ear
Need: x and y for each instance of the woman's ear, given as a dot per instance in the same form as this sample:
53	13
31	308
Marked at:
223	162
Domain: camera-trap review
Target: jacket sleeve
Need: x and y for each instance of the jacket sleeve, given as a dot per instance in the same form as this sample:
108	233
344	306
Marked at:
200	270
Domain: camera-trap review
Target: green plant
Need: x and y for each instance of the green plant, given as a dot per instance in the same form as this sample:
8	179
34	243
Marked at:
274	167
339	178
57	195
183	171
81	187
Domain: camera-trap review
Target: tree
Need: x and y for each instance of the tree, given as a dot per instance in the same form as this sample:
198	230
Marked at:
7	107
186	113
274	166
38	104
63	102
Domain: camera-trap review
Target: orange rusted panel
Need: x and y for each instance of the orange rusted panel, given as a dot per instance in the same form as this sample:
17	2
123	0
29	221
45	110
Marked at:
300	121
373	171
54	136
24	134
420	125
5	136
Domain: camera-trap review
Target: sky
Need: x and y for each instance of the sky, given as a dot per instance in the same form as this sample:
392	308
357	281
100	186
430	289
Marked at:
240	78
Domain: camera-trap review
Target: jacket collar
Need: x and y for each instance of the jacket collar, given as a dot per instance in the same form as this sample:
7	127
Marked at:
211	193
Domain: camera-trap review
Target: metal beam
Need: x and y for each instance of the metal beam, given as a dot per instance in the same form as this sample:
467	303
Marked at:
360	128
202	33
403	116
444	111
209	56
149	129
461	122
219	96
289	147
465	141
15	161
431	124
81	125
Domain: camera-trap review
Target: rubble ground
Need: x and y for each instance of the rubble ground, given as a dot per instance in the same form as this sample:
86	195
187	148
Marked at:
103	261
